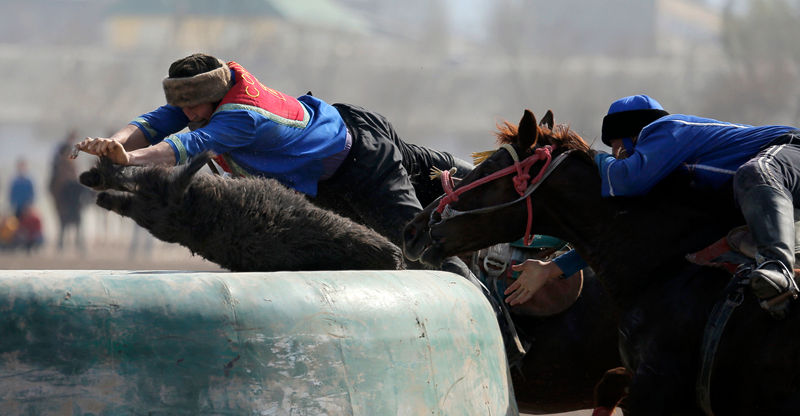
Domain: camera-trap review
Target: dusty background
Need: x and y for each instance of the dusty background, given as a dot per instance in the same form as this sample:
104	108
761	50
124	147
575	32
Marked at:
111	243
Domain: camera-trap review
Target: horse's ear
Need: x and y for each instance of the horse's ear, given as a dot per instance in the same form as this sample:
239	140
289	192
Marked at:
547	120
528	131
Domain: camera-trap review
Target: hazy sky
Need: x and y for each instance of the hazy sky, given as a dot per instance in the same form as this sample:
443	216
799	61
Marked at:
469	16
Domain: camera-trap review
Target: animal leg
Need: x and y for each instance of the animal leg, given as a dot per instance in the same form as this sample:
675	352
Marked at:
117	202
105	175
659	393
611	389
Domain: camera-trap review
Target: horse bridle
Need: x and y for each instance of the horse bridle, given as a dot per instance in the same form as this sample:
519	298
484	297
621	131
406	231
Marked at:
521	184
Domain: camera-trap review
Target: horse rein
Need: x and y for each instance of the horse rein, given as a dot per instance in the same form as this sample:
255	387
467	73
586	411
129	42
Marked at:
521	184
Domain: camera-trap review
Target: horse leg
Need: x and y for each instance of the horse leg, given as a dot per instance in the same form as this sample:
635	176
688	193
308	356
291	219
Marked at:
660	393
610	390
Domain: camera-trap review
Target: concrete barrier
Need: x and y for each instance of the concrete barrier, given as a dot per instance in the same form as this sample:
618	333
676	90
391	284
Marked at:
314	343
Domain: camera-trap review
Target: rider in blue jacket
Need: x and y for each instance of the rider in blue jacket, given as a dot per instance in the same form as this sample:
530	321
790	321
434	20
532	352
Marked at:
345	158
761	163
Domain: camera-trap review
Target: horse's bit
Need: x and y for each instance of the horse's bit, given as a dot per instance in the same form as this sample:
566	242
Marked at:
521	184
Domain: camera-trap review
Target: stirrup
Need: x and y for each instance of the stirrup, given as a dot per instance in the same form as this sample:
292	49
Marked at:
788	274
777	305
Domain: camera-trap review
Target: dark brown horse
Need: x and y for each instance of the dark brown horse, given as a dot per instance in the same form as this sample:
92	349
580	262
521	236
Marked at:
637	246
569	352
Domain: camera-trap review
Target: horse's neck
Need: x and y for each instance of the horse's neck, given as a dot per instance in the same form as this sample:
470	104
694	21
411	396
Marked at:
625	241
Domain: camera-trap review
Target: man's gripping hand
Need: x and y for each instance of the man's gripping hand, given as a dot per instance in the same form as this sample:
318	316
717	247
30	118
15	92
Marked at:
109	148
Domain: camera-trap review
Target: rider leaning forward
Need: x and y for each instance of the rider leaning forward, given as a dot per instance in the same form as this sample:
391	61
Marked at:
348	159
761	163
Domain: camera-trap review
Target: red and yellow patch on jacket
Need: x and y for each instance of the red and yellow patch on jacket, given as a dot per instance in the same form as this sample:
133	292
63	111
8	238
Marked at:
247	90
249	94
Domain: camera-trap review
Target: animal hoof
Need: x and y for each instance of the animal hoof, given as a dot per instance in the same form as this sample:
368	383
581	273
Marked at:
91	179
105	200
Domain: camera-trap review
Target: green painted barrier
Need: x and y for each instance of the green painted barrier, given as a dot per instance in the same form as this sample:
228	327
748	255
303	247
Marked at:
196	343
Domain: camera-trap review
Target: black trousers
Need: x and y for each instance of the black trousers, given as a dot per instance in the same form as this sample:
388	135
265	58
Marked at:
767	189
776	166
384	182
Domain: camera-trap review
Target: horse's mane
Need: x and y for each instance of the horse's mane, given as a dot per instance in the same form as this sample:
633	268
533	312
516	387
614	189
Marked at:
560	135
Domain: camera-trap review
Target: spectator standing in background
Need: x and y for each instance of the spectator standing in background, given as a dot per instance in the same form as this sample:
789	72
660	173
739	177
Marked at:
68	194
29	235
22	193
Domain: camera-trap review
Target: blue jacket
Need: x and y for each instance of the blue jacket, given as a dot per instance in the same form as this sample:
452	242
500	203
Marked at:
21	193
257	143
709	150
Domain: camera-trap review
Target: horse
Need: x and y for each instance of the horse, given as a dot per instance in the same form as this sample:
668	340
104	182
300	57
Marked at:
637	246
569	352
243	225
571	342
69	196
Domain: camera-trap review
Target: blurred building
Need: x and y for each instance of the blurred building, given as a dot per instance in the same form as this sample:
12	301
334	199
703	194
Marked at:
221	24
52	22
617	28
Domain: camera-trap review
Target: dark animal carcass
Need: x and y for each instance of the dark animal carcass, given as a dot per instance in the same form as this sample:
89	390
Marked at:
243	224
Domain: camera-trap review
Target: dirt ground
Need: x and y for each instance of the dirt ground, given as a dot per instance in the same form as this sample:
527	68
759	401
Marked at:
106	256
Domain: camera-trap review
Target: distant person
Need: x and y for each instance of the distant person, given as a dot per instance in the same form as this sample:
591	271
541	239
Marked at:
346	158
9	225
29	235
68	194
21	193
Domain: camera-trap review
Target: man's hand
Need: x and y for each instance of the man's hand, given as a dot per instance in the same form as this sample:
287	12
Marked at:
603	160
535	274
109	148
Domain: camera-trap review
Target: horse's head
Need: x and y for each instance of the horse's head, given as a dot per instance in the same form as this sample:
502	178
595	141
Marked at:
487	206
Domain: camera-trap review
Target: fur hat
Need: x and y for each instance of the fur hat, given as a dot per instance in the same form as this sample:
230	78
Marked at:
206	87
628	116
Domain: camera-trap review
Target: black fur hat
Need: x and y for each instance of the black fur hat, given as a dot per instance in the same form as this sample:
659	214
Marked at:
197	79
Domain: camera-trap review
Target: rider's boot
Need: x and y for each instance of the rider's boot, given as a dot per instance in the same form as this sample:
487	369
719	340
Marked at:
770	215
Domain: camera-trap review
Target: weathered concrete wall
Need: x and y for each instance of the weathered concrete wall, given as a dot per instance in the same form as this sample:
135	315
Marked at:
337	343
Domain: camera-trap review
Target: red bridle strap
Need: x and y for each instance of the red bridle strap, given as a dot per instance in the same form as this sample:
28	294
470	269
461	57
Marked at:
522	181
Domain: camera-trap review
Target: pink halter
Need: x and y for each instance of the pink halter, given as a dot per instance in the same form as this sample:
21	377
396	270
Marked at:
522	181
